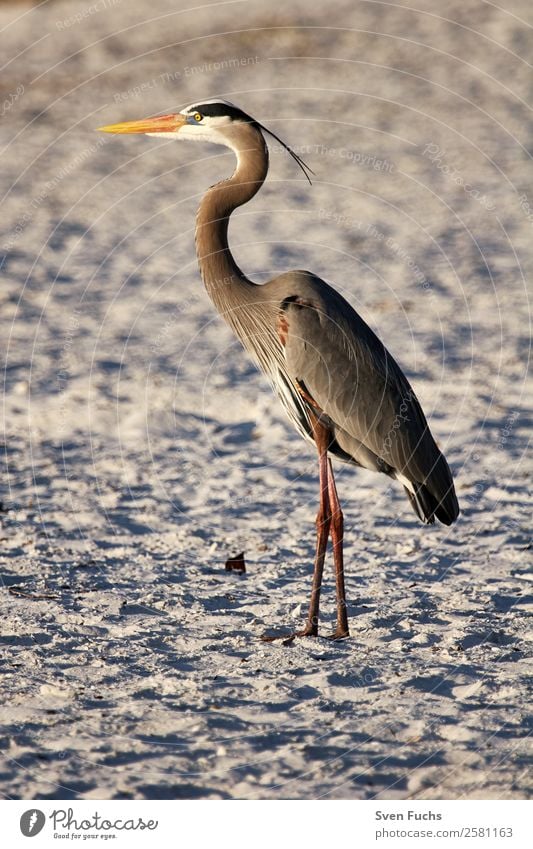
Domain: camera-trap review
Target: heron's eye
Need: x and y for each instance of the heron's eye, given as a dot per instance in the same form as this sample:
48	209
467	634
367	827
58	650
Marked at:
197	116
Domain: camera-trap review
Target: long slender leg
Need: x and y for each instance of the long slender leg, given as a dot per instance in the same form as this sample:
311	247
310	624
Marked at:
337	536
323	523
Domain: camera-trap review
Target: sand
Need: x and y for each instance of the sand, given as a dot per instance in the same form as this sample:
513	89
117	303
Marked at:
142	448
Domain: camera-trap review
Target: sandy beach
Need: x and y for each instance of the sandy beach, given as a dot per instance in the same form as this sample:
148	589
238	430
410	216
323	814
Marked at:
142	449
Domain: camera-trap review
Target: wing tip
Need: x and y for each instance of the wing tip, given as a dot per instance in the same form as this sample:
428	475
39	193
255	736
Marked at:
427	507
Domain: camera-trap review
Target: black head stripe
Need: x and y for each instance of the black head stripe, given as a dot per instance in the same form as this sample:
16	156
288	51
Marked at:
217	110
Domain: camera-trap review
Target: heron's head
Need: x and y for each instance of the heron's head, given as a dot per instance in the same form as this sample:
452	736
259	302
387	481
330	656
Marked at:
214	121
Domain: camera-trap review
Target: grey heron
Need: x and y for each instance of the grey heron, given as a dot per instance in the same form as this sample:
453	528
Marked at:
339	385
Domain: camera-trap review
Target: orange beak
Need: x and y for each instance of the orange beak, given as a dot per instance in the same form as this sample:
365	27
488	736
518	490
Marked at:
161	124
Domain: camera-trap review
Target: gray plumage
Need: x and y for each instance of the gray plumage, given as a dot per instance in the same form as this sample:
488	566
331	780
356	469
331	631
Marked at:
375	417
373	412
338	383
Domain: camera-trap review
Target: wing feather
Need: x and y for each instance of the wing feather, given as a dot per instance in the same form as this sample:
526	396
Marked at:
360	387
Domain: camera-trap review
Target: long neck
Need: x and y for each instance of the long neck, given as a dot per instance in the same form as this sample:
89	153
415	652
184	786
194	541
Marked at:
227	286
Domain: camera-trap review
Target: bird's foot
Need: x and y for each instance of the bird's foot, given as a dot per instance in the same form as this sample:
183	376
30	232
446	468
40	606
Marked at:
310	630
339	634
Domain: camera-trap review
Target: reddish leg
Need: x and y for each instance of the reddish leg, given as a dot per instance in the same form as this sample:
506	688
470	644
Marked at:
337	535
323	523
